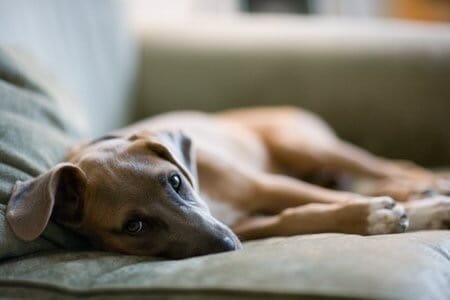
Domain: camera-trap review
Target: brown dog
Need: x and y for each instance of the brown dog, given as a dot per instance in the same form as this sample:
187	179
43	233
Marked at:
137	190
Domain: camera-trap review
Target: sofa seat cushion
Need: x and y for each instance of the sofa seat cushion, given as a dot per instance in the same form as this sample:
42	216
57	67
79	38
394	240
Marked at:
402	266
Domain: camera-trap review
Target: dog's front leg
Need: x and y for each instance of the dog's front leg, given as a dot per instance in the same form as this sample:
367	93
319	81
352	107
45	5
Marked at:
377	216
301	208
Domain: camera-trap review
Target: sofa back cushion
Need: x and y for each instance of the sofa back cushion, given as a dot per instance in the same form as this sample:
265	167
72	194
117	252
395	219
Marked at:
85	45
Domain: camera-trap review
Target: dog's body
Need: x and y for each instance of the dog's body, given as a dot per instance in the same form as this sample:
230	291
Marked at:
251	166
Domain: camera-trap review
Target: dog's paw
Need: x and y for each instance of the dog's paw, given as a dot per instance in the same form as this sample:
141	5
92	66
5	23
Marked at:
430	213
385	216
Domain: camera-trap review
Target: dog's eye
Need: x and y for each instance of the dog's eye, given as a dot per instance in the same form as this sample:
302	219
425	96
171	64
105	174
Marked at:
175	182
134	226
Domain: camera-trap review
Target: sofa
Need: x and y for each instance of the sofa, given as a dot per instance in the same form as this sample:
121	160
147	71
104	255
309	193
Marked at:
71	71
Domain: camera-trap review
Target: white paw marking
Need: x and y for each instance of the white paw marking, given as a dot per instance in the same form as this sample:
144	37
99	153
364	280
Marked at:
385	216
430	213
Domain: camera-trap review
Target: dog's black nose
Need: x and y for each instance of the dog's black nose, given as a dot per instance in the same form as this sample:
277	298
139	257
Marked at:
229	244
225	244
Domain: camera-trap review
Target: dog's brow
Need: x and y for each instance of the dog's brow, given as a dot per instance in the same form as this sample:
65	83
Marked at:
103	138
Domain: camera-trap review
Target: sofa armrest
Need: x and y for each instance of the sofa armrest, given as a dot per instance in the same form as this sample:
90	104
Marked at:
383	85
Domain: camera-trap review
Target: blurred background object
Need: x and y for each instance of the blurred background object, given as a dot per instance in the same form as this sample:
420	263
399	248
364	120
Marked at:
371	69
427	10
430	10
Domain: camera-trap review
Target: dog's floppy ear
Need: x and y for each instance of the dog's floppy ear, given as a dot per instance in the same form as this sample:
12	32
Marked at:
174	146
57	193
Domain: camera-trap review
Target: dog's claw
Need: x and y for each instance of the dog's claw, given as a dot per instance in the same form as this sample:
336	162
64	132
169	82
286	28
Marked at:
404	222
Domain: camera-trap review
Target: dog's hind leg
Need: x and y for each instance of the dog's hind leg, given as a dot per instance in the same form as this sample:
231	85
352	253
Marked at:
302	143
429	213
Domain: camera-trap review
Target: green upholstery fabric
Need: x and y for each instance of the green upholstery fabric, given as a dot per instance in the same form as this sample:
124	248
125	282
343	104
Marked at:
35	132
407	266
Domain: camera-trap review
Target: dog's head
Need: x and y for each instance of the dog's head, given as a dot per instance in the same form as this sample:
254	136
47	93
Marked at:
135	194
